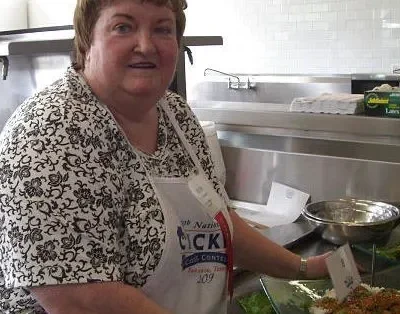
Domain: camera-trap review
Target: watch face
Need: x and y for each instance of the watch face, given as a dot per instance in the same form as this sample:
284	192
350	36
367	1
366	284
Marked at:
303	266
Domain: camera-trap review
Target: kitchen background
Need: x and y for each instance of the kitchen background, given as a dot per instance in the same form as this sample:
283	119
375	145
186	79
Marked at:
295	36
349	155
327	156
266	36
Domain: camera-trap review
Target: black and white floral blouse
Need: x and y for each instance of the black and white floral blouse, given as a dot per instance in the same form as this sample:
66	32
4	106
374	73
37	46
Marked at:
75	203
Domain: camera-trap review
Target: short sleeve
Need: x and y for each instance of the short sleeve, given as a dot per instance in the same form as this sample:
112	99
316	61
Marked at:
59	197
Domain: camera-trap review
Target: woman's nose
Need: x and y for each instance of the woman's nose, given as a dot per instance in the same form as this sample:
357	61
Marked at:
144	43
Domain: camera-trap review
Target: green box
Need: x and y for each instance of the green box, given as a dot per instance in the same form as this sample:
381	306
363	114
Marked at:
384	104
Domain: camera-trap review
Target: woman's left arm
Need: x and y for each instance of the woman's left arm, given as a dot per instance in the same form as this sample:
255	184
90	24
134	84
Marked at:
255	252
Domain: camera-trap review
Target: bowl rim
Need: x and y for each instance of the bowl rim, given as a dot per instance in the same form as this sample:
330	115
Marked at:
316	219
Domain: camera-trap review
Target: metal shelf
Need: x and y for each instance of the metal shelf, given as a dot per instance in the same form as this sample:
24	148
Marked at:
202	41
60	40
248	121
35	30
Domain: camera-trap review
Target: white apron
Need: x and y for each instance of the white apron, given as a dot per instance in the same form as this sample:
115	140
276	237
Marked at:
192	274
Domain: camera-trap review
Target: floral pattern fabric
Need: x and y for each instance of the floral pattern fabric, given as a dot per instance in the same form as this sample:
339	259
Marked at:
76	205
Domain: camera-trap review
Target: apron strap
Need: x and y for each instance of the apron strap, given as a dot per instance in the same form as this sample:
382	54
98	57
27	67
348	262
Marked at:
215	211
189	147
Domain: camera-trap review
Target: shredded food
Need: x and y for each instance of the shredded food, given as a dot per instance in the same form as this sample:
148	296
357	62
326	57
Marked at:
363	300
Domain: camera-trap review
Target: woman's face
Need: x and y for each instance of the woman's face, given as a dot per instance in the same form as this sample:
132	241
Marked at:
134	50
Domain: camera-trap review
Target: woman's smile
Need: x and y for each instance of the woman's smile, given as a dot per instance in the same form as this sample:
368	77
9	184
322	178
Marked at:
143	65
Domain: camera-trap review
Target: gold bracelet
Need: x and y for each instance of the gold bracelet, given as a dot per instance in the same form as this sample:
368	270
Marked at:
302	269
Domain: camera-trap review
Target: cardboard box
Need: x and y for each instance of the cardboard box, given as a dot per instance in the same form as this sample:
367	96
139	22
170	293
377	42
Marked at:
382	103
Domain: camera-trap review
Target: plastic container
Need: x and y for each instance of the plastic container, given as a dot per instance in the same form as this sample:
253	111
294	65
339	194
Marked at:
46	13
13	15
384	103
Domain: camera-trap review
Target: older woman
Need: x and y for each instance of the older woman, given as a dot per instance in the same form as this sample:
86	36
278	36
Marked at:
108	195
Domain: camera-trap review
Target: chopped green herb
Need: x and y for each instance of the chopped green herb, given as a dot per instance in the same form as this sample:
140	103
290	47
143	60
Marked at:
256	303
392	252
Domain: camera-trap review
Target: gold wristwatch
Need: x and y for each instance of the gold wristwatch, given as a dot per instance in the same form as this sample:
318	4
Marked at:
303	268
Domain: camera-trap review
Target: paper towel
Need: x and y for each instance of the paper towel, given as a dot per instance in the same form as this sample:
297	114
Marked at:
13	15
329	103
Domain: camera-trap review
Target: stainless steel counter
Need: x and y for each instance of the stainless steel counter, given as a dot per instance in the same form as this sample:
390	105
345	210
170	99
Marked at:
327	156
267	88
266	118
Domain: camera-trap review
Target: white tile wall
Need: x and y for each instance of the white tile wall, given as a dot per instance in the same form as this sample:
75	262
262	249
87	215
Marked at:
295	36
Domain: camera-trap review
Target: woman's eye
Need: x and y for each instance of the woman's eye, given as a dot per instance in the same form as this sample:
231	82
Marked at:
123	28
164	30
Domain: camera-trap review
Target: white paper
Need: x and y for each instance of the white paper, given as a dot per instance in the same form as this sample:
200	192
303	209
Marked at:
260	217
286	202
284	206
343	272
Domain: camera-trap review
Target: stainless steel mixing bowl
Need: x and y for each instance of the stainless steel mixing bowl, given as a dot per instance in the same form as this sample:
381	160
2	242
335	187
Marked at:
352	220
